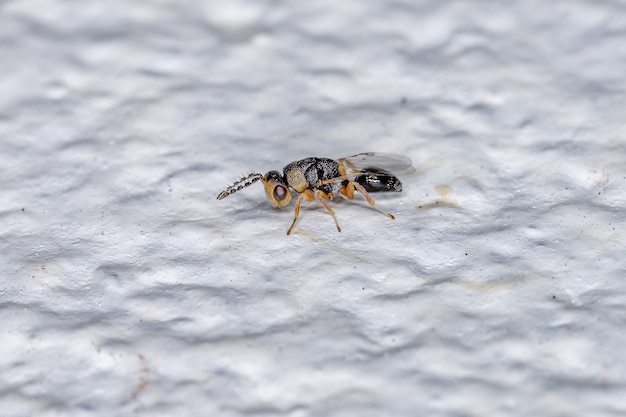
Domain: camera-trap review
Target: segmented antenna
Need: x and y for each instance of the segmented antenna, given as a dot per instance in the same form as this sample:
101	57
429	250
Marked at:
242	183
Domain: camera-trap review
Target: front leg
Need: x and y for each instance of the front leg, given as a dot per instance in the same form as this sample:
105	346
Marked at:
296	213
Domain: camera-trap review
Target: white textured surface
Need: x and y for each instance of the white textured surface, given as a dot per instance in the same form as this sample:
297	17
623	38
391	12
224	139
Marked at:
126	288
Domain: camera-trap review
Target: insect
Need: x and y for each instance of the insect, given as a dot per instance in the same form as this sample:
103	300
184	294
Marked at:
322	179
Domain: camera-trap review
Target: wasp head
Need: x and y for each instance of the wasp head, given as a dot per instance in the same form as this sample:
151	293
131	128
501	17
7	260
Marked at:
276	189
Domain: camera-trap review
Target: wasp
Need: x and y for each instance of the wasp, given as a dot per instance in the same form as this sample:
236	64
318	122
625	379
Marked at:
322	179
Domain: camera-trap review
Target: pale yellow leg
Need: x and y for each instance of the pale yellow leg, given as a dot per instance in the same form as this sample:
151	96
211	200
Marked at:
347	190
318	196
369	199
296	213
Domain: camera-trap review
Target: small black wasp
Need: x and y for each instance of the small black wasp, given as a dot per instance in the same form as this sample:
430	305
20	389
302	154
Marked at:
322	179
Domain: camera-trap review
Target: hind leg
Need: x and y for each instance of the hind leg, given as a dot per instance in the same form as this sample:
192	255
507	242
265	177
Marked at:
348	191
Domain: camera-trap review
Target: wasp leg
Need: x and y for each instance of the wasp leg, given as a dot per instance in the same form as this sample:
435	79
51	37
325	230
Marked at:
319	194
339	178
360	188
347	190
296	213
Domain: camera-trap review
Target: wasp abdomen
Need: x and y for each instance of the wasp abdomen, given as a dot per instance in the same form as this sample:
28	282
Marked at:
379	180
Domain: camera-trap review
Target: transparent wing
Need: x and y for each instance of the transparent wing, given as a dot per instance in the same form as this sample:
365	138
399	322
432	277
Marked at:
393	163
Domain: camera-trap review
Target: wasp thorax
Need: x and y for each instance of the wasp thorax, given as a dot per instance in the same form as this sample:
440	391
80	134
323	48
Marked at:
276	189
296	179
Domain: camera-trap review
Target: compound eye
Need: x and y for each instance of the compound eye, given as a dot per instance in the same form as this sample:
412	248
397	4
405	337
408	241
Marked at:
276	190
280	193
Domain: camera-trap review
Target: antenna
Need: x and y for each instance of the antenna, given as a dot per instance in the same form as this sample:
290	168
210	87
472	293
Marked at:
238	185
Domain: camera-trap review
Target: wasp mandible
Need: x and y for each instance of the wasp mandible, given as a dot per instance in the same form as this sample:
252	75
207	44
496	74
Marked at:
322	179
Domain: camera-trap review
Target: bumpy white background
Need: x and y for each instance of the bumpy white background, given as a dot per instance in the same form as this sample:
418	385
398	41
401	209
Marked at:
126	288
